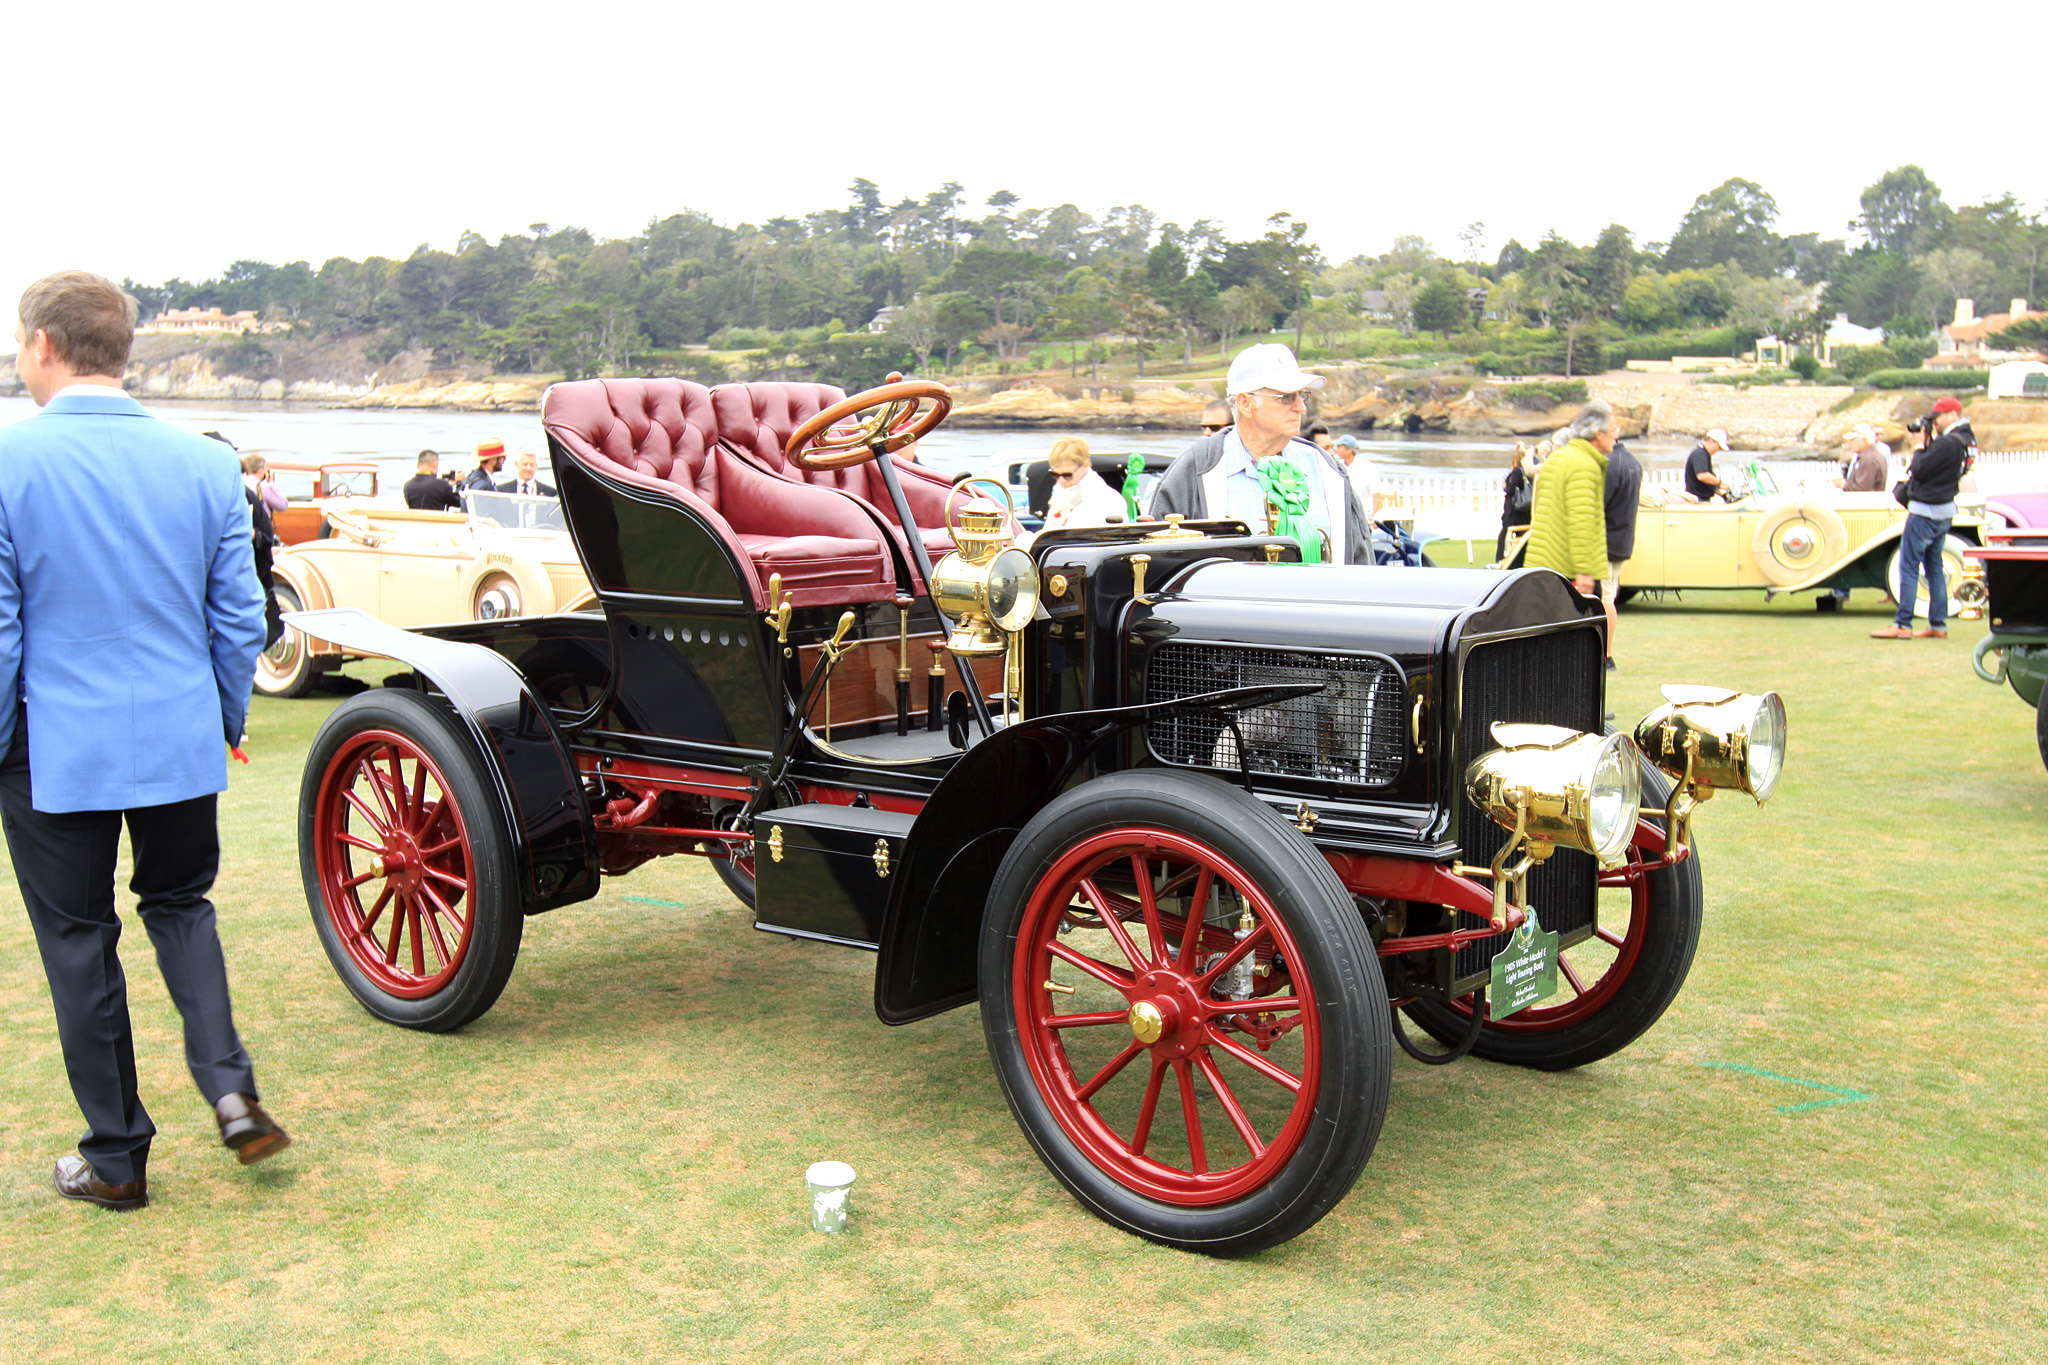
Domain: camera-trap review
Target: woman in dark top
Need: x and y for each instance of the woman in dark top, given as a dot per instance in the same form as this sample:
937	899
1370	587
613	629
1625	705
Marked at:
1517	495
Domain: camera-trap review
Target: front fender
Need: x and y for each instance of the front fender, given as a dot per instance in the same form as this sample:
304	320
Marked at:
539	793
929	930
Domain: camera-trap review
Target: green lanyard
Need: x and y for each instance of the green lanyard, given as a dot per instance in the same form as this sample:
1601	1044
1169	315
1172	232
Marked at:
1286	488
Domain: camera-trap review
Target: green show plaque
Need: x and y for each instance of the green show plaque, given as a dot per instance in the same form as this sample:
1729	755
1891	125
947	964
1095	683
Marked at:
1525	971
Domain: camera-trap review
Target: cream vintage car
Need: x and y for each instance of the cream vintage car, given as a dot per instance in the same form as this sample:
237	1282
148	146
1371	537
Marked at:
504	556
1811	538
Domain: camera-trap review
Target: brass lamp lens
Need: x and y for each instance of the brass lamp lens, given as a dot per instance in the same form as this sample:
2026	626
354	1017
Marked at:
1734	741
1579	790
1012	593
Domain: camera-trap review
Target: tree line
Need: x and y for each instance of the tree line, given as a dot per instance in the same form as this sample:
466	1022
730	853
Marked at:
1007	285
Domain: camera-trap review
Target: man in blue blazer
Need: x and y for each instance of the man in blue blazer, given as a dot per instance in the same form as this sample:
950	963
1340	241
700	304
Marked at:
130	622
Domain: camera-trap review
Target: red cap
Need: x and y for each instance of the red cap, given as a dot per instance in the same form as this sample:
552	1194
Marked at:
489	446
1948	405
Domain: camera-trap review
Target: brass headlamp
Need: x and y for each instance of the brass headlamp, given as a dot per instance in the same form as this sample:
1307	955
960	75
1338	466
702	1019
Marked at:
1553	785
1711	739
986	588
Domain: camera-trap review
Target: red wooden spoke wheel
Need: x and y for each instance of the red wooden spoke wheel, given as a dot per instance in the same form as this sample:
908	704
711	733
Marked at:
395	867
407	863
1611	987
1173	1032
1184	1011
904	410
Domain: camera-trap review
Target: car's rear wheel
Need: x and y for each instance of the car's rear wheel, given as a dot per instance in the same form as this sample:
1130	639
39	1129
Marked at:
1953	563
737	870
1611	987
286	669
2041	725
408	868
1184	1011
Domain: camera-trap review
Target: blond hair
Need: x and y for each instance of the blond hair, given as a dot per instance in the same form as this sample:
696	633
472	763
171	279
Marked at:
1070	451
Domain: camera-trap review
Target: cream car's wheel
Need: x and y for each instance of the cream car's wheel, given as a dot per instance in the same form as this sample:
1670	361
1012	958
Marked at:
496	596
1953	563
1797	541
286	668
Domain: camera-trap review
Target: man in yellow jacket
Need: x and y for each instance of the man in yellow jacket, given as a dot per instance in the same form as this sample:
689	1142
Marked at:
1568	522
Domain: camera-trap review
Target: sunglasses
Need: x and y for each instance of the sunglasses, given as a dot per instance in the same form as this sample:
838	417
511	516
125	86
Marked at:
1064	474
1213	427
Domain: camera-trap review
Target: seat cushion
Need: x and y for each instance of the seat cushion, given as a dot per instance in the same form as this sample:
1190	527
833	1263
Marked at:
822	570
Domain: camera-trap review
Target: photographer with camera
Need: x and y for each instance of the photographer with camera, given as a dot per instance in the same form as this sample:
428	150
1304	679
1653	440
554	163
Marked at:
1929	493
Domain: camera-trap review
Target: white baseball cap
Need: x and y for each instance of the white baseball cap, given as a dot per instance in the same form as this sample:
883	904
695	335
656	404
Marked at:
1718	437
1268	366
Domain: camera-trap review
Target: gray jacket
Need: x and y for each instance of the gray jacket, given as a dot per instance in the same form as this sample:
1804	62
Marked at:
1180	490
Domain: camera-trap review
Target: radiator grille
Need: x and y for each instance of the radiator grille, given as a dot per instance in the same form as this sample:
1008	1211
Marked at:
1555	679
1351	731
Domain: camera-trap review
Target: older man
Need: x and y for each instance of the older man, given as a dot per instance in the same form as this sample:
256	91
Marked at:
1867	459
119	709
1700	479
527	483
1568	522
1260	471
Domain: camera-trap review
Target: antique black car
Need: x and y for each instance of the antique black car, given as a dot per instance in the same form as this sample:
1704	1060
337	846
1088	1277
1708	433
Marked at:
1197	824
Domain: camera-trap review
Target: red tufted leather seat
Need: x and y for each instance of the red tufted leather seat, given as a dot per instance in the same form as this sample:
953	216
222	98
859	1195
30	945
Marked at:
758	419
663	435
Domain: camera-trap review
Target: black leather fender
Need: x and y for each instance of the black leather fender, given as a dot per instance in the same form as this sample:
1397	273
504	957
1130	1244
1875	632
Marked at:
933	920
531	771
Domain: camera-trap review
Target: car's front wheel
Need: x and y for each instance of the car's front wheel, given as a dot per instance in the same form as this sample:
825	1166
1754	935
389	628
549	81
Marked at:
407	865
1184	1010
1612	986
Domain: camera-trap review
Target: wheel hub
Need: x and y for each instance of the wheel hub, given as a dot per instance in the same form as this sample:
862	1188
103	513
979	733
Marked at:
1163	1014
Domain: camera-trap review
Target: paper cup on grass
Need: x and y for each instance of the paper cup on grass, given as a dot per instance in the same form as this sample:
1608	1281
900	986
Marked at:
829	1181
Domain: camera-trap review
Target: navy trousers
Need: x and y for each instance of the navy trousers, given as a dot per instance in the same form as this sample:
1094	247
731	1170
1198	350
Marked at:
65	867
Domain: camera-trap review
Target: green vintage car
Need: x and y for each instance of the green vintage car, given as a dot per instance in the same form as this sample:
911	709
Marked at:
2016	651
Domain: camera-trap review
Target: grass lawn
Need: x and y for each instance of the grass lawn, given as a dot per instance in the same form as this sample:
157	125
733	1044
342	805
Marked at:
1831	1149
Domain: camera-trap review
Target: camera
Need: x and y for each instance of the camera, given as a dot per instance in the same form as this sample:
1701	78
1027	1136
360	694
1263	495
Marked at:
1920	424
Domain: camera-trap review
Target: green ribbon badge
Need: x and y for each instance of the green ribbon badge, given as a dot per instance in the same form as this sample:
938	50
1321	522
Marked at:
1286	488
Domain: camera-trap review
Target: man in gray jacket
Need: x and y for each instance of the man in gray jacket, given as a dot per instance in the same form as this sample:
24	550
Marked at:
1262	473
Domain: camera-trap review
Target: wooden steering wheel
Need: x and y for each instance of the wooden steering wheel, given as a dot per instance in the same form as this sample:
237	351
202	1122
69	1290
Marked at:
904	410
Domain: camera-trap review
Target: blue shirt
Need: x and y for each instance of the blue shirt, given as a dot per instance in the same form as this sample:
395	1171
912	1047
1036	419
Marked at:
1247	496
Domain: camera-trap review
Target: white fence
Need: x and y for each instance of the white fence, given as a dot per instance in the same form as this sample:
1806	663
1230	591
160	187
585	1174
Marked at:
1467	505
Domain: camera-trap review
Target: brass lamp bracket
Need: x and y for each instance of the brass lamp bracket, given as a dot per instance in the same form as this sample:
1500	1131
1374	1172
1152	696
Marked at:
1686	796
1511	883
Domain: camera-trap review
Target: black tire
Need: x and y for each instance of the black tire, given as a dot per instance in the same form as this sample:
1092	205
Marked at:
2041	725
1314	1153
450	877
286	669
1627	1008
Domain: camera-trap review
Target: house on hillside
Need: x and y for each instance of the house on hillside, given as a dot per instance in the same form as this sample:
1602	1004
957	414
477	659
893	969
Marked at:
207	322
1841	334
883	317
1966	343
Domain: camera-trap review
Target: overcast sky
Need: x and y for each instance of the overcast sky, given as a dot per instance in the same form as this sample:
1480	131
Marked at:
159	140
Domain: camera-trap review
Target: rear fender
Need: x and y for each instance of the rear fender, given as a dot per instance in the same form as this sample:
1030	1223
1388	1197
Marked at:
302	578
540	796
933	921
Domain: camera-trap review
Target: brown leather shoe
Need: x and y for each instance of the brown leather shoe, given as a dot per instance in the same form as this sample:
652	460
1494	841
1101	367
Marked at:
76	1179
1892	633
249	1132
1931	633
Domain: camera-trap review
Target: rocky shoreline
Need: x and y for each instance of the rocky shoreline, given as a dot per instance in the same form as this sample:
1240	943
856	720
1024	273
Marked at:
1356	397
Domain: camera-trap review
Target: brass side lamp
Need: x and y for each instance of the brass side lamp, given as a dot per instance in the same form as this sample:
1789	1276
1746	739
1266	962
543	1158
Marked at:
987	589
1549	785
1711	739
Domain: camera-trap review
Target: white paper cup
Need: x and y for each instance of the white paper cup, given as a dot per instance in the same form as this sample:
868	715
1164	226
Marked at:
829	1181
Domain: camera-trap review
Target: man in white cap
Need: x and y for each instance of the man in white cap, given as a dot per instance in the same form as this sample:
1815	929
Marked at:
1865	460
1700	479
1261	473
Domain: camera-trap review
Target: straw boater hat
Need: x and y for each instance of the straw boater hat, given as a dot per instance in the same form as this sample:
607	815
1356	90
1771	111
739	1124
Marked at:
489	448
